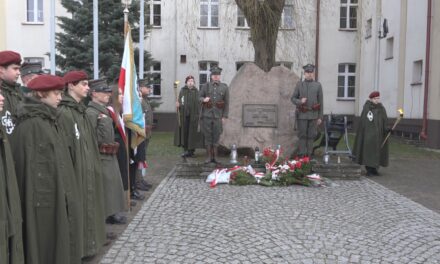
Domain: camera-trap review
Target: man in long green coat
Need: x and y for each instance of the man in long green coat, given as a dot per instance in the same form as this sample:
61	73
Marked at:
82	141
188	104
370	134
308	99
103	126
11	242
215	98
46	178
10	63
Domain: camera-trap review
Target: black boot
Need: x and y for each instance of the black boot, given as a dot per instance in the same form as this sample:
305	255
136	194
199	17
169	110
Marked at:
214	154
208	154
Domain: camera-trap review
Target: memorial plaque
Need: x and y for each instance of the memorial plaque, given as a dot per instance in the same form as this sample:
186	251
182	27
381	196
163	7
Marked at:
260	115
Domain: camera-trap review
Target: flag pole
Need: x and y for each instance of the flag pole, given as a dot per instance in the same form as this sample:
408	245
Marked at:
127	147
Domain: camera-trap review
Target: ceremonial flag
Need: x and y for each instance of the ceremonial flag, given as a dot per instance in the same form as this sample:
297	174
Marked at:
131	106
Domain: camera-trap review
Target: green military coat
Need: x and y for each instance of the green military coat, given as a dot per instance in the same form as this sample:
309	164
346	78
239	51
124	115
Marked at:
49	195
148	114
81	139
211	124
102	123
370	133
13	97
189	108
10	207
313	92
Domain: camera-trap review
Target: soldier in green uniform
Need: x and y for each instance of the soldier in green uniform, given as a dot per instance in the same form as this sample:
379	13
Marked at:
102	123
28	71
308	99
370	134
215	98
11	242
46	178
83	145
187	134
10	63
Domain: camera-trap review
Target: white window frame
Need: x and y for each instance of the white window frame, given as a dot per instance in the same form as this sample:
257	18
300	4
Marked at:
154	73
240	14
36	12
210	4
368	28
284	17
152	15
207	72
389	51
348	5
417	72
346	74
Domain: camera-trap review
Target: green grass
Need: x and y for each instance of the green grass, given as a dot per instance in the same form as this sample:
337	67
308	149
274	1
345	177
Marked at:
162	144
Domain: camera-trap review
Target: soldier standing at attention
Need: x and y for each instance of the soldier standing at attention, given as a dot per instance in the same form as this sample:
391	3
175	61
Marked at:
10	63
215	98
11	240
309	105
46	178
28	71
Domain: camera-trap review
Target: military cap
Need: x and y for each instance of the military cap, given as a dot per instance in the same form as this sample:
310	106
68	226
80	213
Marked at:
144	83
31	68
374	94
8	57
215	70
99	86
46	82
309	68
75	76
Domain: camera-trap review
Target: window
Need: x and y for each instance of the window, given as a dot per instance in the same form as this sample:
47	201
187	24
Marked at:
209	13
287	17
153	13
241	20
368	28
34	11
417	72
389	48
348	16
204	72
286	64
34	60
346	80
155	75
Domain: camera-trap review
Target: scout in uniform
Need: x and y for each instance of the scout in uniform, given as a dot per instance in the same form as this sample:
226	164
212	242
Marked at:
370	134
83	145
102	124
10	63
187	134
46	178
28	71
307	97
215	98
11	239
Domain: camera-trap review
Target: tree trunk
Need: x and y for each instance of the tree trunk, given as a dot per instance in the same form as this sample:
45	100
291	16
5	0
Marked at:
263	18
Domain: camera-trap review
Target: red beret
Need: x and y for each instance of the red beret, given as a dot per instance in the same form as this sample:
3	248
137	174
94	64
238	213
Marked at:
8	57
374	94
75	76
46	83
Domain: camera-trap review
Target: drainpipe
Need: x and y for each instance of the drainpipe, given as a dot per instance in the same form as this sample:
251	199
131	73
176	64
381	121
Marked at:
318	7
424	132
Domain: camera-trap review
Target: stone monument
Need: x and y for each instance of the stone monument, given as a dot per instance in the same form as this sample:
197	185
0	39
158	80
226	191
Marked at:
260	111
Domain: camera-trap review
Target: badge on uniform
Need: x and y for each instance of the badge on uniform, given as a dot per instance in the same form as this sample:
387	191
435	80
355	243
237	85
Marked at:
76	131
370	116
7	122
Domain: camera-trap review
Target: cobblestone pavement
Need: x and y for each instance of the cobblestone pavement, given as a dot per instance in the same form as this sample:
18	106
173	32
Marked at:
185	221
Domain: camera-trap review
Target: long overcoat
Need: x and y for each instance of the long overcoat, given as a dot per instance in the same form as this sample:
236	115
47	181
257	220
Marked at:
313	92
10	207
48	190
370	134
113	189
13	96
189	108
83	146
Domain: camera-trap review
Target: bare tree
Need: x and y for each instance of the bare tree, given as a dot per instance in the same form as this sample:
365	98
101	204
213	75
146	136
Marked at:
263	17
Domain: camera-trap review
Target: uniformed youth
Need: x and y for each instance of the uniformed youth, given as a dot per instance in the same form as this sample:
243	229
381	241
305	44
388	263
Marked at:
28	71
308	99
215	98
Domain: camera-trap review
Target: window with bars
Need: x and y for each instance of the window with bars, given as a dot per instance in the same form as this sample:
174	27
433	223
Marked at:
287	21
34	11
348	14
155	74
346	80
153	13
209	13
204	73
